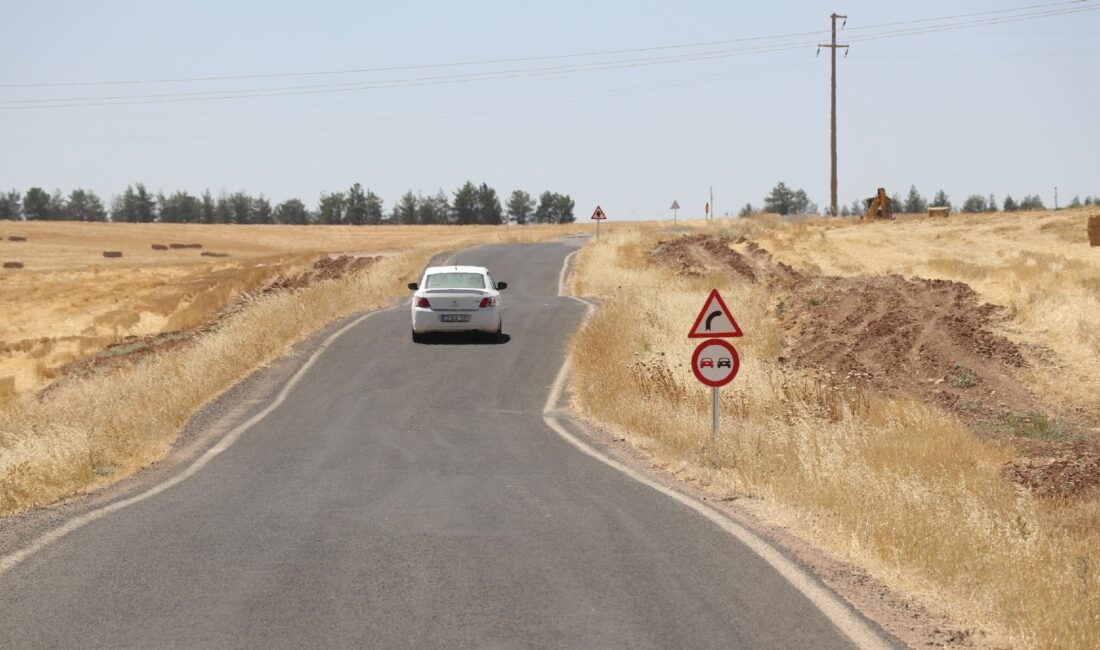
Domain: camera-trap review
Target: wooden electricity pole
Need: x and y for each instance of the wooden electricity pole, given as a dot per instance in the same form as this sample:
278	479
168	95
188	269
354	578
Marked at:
832	131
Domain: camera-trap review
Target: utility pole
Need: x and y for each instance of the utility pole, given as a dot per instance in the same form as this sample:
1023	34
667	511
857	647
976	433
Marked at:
1055	197
832	131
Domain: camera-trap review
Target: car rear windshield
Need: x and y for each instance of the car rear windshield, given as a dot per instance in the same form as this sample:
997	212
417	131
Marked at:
455	281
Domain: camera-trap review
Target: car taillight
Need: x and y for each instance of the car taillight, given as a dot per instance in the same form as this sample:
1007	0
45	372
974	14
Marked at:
487	302
423	302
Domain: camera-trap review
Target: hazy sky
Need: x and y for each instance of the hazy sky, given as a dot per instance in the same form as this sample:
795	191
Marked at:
990	108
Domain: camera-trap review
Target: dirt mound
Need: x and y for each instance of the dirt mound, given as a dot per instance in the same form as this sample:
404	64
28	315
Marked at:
931	338
1072	474
697	255
134	348
328	268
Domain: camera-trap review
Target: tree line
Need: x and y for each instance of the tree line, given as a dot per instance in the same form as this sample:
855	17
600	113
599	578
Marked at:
470	204
784	200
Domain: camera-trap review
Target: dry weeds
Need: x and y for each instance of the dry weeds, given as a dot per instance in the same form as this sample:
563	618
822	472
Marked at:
98	428
895	485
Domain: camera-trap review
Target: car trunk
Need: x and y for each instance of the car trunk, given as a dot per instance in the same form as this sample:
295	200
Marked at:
454	299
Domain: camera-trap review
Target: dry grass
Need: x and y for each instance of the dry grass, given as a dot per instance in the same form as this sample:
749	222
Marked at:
96	429
1038	264
894	485
69	301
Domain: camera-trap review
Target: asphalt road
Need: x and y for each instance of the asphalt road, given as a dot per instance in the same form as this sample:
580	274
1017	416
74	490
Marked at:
412	495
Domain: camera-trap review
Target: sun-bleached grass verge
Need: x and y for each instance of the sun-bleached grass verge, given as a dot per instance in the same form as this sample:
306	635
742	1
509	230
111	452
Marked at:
84	433
889	483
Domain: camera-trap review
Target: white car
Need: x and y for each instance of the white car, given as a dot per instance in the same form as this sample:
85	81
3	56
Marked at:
456	299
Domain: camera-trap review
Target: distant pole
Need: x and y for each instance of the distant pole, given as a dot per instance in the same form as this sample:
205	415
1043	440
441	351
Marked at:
1055	197
833	210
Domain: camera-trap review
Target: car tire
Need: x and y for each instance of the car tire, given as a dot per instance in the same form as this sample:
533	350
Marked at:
499	336
417	338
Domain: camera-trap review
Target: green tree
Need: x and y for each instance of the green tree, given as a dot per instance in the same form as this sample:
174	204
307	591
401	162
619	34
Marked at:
974	203
433	209
748	209
84	206
357	206
223	208
261	210
520	207
783	200
331	209
941	200
144	204
208	207
374	208
1010	204
1032	202
11	206
1075	203
465	205
241	208
563	208
36	204
859	208
915	203
779	200
992	205
405	211
180	207
292	211
488	206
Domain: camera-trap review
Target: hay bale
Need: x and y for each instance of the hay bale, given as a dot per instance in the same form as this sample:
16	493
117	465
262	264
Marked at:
13	265
17	238
1094	230
213	254
112	253
939	212
159	247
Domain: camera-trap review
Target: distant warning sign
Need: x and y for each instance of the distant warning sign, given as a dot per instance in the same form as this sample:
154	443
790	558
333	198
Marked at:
715	320
598	214
715	363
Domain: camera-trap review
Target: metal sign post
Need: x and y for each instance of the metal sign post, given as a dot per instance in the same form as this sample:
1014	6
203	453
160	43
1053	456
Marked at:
715	361
715	414
598	216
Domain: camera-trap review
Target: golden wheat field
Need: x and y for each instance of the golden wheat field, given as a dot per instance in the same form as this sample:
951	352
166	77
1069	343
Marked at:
907	487
69	301
213	321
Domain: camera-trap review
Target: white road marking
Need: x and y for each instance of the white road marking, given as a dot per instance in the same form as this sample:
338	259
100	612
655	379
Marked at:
11	560
835	609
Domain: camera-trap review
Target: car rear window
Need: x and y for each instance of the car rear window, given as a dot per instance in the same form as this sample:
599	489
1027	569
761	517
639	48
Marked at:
455	281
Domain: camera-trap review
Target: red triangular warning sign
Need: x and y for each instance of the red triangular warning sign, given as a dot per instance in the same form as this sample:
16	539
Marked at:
598	214
715	320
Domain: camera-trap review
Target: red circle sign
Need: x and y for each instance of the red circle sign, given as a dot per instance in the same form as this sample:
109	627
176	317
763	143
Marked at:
715	362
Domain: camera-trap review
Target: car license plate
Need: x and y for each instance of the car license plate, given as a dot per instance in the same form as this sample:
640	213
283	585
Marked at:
454	318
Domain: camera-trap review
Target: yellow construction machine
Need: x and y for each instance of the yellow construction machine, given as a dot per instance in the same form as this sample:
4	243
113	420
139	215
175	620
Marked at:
878	207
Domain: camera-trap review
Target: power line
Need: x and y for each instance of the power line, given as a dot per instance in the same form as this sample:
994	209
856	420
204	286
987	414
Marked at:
309	89
528	59
458	113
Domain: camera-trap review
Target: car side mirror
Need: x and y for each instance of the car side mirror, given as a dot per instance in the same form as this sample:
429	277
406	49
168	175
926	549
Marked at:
501	286
413	286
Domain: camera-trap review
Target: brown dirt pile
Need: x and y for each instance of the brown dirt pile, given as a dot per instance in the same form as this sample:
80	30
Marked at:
135	348
930	338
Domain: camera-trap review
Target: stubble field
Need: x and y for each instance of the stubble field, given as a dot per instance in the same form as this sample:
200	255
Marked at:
918	396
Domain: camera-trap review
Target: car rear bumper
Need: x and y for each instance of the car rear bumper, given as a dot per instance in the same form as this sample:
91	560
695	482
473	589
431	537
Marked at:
481	320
